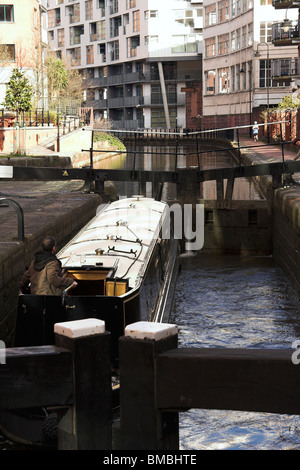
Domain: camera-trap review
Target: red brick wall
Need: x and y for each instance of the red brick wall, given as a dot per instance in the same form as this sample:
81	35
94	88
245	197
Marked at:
193	106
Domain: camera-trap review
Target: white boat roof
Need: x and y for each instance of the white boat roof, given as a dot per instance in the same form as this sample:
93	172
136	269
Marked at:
121	235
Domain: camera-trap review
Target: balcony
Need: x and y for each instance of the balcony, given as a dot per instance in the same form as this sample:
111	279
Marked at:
98	82
282	4
126	124
285	33
285	69
97	104
133	101
116	102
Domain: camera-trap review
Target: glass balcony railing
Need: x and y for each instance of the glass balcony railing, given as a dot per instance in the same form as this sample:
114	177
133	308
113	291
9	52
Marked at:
281	4
285	33
285	68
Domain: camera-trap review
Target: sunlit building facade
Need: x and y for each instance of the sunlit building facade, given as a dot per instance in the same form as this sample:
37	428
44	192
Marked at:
23	39
140	58
238	59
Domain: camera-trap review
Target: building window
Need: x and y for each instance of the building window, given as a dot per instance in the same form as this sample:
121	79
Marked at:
238	39
250	34
130	4
6	13
223	10
97	31
89	10
73	12
132	45
150	14
90	54
244	36
7	53
264	74
61	37
232	77
210	15
185	17
233	43
114	8
114	50
74	55
223	44
265	31
210	47
54	18
210	82
51	18
50	35
158	118
184	43
223	80
75	34
114	26
136	20
151	40
233	8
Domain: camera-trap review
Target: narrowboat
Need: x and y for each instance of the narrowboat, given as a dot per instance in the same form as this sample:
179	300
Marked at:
125	262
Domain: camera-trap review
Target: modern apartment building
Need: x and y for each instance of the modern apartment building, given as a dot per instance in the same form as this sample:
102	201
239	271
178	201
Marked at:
141	59
239	79
23	39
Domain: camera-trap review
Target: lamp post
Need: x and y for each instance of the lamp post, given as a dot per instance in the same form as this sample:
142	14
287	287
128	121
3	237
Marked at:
257	54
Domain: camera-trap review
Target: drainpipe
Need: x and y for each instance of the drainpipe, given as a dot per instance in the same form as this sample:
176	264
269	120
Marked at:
164	94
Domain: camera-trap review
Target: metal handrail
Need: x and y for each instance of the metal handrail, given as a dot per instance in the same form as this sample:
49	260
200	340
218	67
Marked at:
20	214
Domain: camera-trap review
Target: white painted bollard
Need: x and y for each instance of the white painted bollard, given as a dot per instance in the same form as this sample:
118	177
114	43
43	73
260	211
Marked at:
149	330
139	348
79	328
87	424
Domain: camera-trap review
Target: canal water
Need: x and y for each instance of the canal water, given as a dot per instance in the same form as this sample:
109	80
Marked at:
231	301
228	301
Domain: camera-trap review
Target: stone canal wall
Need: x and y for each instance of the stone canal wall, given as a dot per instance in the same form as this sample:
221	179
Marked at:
245	228
285	220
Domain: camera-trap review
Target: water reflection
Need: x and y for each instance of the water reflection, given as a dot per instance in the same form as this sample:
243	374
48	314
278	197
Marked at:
242	302
170	157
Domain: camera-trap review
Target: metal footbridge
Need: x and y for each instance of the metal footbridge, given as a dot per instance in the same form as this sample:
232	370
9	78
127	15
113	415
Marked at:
187	179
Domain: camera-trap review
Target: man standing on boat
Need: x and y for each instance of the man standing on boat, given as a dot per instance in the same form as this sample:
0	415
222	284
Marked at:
45	274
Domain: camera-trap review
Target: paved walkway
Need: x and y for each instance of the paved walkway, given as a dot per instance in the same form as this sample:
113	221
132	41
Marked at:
268	153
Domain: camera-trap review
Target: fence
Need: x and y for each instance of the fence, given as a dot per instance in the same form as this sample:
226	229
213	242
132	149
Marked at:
69	120
157	381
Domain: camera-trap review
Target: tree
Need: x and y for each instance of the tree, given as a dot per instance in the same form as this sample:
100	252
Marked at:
57	77
290	101
19	93
64	83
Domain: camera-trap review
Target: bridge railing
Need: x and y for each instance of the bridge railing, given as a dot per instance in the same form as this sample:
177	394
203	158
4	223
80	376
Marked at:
230	133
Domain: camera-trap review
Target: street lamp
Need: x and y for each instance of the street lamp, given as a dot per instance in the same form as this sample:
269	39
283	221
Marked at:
257	54
286	22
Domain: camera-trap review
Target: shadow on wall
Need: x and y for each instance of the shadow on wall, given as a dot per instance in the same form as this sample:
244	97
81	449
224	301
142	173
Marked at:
2	138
